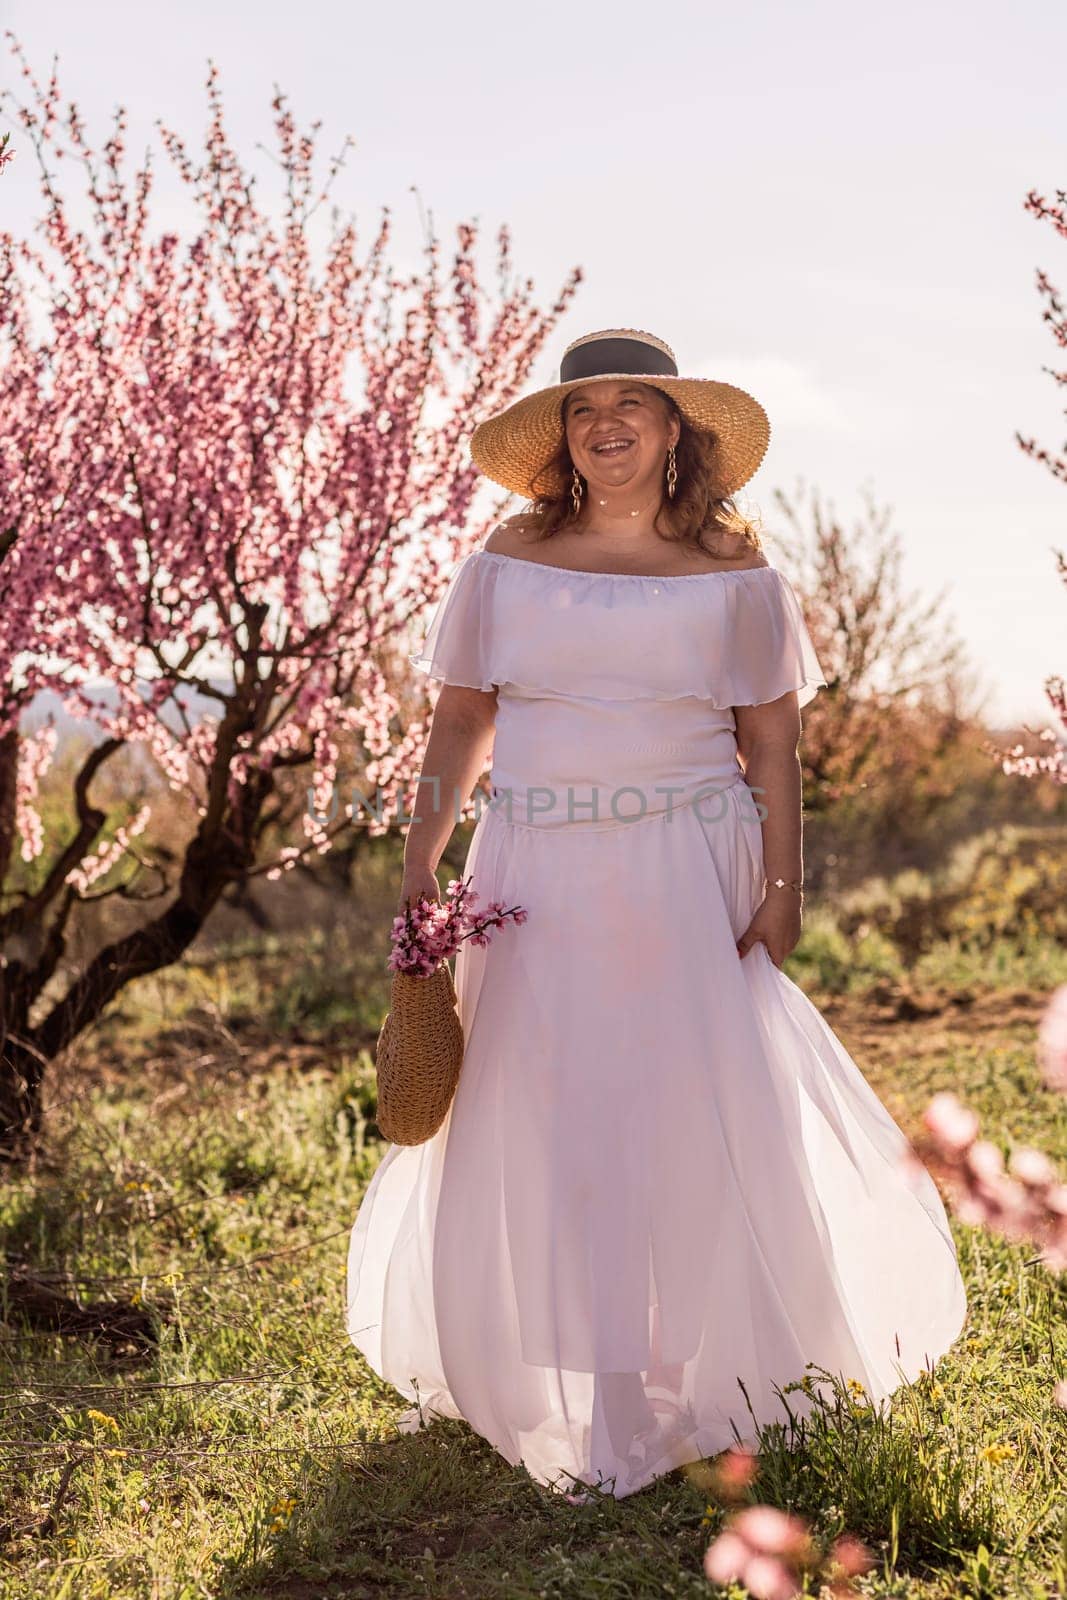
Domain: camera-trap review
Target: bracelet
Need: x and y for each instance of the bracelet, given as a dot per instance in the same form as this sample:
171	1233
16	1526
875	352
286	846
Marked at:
782	883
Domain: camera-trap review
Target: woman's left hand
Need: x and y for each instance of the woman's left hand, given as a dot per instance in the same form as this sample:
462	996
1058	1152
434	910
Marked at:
776	925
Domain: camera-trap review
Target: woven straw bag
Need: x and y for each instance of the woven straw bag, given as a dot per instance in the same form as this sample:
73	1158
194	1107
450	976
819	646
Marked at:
418	1056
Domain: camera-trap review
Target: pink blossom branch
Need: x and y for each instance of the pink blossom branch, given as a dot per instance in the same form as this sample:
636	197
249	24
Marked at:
429	932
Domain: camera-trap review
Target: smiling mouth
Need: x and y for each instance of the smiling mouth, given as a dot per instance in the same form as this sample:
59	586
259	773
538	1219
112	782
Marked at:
611	447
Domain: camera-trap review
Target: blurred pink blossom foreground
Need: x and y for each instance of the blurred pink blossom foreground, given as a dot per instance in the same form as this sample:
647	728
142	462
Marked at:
768	1550
1025	1201
1052	1041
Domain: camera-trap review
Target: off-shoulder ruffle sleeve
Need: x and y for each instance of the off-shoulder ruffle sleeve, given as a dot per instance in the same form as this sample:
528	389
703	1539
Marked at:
764	649
732	638
456	646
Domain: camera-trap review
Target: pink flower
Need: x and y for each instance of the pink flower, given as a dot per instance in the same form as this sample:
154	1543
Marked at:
735	1471
952	1124
726	1557
1052	1041
1033	1168
731	1559
852	1555
773	1531
985	1161
767	1578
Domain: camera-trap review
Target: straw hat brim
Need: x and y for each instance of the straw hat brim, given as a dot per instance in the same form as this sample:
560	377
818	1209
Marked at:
514	447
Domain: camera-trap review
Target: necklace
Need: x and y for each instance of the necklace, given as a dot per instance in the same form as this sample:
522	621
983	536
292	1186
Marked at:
640	509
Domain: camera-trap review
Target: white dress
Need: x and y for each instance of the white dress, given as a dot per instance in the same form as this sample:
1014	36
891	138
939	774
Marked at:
663	1187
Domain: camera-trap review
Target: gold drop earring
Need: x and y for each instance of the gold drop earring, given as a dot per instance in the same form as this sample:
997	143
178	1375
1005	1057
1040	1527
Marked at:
672	473
576	492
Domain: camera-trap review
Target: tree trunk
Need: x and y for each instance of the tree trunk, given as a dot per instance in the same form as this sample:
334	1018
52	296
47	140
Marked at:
210	865
21	1080
9	760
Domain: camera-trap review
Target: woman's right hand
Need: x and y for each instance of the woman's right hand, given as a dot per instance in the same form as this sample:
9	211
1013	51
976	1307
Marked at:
419	878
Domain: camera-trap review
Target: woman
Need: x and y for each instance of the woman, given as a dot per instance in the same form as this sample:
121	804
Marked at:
663	1188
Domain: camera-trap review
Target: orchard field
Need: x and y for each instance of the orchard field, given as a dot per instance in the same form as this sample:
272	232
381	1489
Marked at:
234	481
207	1147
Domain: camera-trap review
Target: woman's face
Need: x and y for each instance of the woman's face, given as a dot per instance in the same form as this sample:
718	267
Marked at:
618	433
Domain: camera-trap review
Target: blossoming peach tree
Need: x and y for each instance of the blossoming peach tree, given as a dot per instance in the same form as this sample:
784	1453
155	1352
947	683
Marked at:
233	473
1053	762
1025	1199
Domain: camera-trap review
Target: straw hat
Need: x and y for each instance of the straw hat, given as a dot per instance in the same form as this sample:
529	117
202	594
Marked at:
514	447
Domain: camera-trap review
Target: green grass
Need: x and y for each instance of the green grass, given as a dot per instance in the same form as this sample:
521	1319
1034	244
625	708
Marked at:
203	1160
829	961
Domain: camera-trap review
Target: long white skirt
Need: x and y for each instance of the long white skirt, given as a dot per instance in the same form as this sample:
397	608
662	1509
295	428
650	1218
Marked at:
663	1187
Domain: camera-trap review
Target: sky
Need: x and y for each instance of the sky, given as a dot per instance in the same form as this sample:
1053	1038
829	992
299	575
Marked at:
823	204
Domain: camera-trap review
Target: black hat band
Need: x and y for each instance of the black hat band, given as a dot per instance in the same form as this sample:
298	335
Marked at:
600	356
